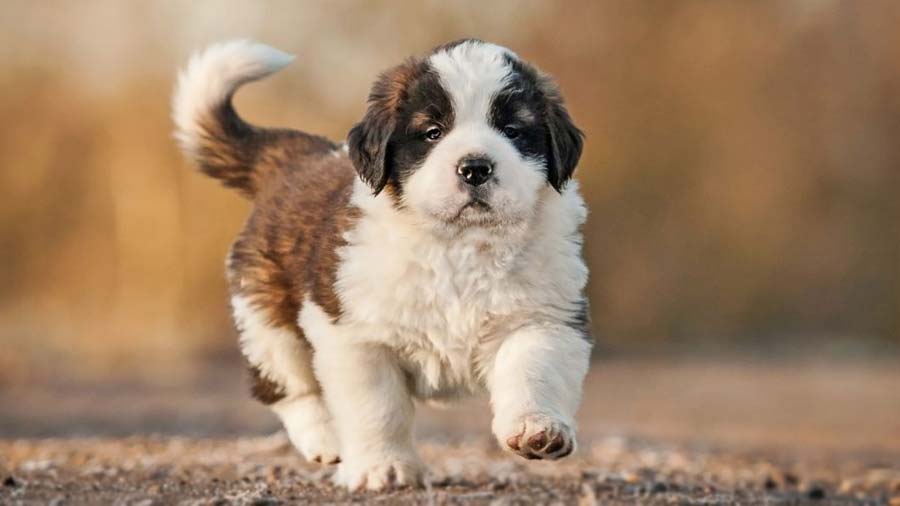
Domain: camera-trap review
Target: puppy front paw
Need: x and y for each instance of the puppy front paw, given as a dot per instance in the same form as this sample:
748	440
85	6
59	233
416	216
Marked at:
391	473
318	443
536	436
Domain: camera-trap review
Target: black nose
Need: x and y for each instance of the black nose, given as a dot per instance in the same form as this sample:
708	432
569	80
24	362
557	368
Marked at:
474	171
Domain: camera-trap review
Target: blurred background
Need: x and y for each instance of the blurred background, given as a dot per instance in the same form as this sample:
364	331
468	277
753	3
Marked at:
742	169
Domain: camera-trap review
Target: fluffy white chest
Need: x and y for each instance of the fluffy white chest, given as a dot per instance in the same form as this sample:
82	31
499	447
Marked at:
432	301
444	304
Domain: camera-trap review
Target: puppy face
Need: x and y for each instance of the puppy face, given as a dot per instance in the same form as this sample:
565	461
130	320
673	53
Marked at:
466	137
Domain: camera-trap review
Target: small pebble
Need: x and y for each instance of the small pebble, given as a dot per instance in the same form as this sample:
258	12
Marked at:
816	493
770	484
630	477
659	488
848	486
588	475
10	482
443	481
588	496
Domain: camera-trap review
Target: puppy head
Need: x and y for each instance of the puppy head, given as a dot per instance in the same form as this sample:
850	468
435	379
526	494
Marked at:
468	136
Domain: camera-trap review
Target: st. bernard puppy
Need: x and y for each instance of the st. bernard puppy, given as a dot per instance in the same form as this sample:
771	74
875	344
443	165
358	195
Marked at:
436	253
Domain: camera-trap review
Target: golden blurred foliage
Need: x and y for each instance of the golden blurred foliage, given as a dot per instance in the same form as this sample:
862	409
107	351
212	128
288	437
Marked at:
742	164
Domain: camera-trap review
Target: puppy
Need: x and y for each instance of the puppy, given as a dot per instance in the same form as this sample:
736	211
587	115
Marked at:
434	254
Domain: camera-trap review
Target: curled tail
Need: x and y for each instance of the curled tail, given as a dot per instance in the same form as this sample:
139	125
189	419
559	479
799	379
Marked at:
212	134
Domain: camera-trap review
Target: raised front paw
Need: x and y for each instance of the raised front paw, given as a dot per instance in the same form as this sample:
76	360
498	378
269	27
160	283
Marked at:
381	475
537	436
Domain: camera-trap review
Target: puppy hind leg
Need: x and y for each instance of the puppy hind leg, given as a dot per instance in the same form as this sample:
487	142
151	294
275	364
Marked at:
282	378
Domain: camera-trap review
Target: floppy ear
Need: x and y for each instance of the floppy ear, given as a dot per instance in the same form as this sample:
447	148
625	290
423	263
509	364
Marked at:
565	139
369	140
368	146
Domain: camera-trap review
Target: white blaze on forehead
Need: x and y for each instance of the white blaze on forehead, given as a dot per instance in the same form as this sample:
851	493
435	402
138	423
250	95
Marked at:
472	73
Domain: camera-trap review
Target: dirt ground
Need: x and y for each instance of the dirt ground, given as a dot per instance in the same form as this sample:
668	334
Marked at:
651	432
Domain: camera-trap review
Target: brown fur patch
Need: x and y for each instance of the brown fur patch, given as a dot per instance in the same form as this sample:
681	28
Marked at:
391	88
263	389
301	186
420	120
288	249
241	155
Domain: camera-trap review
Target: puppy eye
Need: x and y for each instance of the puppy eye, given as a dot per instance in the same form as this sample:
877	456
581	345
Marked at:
510	132
434	133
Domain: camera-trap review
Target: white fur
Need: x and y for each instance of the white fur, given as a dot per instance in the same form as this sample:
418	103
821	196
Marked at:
310	427
527	381
472	73
284	358
367	394
278	353
441	301
212	76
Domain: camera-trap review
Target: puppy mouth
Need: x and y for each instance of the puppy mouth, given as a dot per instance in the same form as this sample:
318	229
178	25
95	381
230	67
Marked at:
477	203
475	207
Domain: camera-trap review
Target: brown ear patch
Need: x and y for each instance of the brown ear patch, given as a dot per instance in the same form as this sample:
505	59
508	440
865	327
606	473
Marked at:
368	140
566	140
391	88
561	145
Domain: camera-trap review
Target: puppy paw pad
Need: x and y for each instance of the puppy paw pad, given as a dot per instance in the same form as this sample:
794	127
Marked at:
544	438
